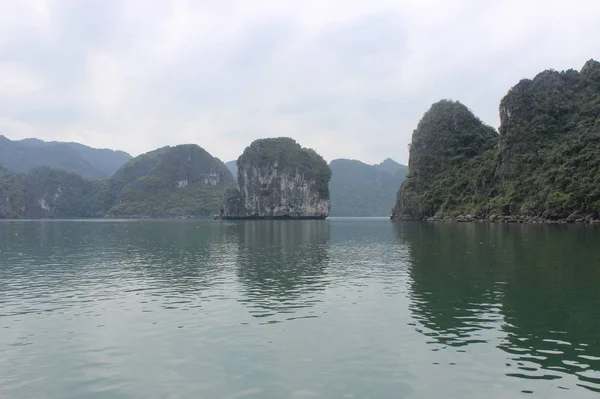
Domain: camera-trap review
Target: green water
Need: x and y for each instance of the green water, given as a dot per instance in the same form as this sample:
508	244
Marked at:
342	308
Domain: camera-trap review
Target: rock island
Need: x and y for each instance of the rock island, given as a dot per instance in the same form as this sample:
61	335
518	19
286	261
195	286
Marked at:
279	179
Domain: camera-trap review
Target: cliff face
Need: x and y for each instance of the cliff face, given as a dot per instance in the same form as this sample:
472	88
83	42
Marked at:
543	165
279	178
549	145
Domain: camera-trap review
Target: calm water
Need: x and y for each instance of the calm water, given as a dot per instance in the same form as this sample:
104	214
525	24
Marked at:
344	308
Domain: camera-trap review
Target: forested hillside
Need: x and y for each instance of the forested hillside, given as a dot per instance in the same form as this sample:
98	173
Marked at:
181	181
542	165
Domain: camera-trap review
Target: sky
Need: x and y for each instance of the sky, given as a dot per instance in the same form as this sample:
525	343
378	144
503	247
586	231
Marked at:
348	78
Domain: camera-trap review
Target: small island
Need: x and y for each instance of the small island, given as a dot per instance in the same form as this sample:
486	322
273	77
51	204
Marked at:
278	179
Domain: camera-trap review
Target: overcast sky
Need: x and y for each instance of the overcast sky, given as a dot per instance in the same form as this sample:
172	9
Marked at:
349	78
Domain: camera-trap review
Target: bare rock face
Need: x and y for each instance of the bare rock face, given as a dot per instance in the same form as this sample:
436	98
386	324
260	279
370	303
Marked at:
279	179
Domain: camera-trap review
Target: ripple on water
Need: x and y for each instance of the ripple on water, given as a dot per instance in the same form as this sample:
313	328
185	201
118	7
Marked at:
287	310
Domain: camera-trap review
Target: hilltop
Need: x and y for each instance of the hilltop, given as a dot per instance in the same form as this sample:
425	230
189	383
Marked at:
91	163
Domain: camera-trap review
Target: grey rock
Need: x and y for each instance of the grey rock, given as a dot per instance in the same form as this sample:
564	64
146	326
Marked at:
573	217
277	178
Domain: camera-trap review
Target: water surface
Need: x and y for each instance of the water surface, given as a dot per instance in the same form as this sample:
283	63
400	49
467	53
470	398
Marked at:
341	308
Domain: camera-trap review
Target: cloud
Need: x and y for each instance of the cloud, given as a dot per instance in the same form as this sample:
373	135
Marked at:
350	79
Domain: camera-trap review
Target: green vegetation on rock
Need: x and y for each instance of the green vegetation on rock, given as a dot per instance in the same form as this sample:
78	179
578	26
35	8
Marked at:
43	192
288	156
543	164
181	181
53	192
358	189
449	164
393	168
549	146
176	181
12	195
279	178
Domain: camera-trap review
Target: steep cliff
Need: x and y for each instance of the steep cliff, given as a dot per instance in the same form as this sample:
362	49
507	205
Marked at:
277	178
549	145
542	166
450	164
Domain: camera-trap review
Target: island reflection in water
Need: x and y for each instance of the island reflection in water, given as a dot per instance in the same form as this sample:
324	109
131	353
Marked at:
268	309
529	290
282	266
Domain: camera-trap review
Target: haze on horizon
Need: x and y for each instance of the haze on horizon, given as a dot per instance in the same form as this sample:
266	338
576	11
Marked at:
348	78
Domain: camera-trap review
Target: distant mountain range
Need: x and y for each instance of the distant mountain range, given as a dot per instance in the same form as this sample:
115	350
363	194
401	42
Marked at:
90	163
392	167
358	189
232	165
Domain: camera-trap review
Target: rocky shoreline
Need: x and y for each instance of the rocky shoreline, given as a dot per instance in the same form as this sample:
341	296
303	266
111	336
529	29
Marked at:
574	218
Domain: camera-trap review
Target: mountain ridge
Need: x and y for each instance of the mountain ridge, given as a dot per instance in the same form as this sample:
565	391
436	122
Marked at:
24	155
361	189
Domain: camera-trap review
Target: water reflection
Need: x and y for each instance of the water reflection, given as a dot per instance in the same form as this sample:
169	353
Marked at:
530	291
181	257
172	263
282	266
551	304
453	299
